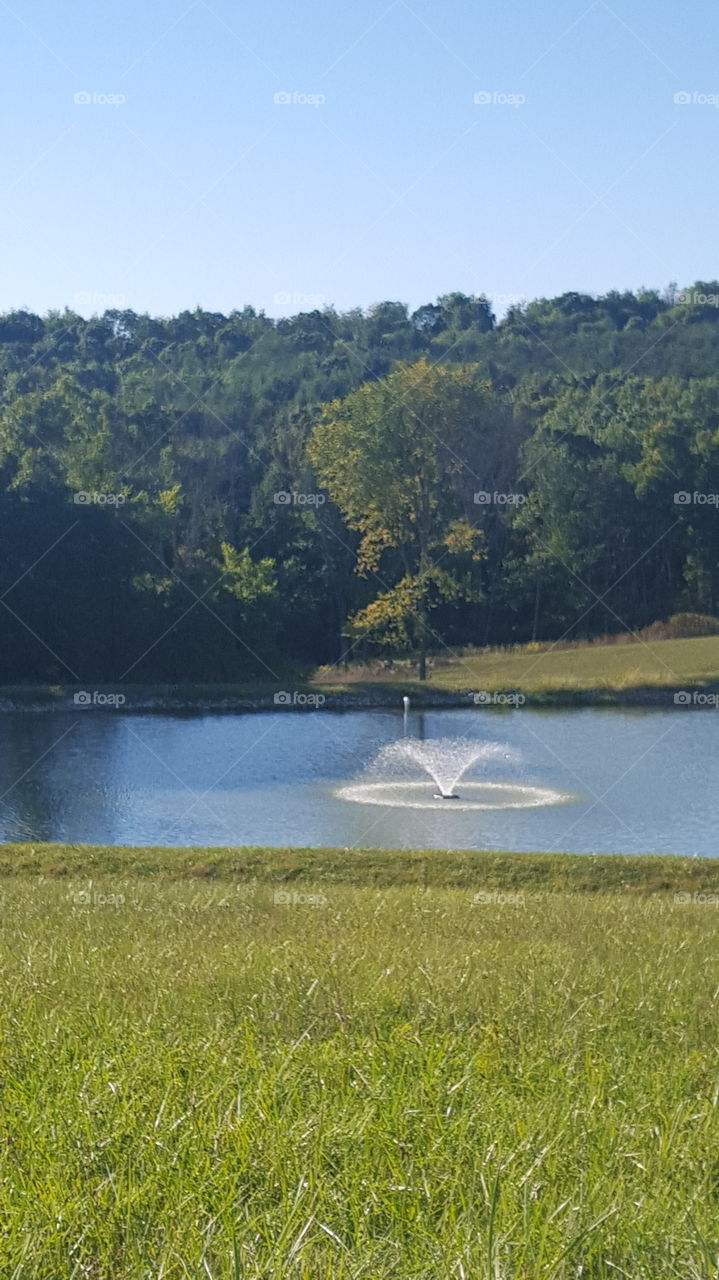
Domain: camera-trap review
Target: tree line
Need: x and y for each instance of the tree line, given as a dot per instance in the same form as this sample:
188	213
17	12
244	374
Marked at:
212	497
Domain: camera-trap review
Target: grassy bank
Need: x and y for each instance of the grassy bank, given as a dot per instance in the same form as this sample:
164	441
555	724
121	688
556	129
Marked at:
437	868
392	1071
637	672
663	665
151	697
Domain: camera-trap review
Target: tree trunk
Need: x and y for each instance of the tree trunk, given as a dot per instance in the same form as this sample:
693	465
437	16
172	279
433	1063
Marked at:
537	600
422	617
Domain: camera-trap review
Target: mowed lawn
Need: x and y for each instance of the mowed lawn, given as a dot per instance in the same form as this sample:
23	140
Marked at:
398	1081
671	664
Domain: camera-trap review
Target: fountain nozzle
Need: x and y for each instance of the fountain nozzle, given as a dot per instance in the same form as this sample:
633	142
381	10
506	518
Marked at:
446	795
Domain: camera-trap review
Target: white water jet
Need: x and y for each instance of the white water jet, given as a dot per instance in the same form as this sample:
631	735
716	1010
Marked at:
445	760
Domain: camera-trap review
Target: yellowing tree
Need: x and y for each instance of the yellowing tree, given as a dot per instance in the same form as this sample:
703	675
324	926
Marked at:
399	458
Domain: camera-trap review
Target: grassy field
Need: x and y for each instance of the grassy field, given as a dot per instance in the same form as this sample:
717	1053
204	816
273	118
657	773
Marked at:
403	1067
663	664
541	672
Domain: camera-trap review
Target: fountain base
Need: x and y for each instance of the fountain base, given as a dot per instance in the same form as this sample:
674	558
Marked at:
475	795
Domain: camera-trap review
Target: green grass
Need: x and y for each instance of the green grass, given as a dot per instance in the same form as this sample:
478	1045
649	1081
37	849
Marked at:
372	868
542	673
395	1083
663	664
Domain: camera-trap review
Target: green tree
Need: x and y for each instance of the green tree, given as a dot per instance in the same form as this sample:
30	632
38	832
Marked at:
399	459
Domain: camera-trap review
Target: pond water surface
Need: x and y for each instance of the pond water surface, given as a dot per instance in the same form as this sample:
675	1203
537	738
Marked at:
618	781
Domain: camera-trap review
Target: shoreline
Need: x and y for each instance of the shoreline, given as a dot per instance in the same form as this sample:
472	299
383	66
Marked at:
142	700
474	869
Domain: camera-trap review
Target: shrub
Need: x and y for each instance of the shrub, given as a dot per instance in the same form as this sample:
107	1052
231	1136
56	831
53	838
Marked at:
682	626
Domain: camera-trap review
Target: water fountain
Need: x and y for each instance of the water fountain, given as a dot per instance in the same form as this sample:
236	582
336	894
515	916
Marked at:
391	779
446	760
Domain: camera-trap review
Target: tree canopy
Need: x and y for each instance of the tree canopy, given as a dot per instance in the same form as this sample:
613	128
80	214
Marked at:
209	496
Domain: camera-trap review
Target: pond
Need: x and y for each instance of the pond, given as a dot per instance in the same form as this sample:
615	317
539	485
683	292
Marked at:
580	780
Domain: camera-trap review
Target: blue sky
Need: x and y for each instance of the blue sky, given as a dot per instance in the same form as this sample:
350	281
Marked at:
380	178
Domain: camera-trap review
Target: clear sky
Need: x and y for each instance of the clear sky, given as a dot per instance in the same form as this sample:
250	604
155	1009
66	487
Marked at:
381	178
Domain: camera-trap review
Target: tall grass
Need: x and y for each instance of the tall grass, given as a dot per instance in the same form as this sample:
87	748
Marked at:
382	1083
547	669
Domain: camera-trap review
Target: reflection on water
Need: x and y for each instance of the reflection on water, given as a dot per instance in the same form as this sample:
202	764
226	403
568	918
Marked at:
640	781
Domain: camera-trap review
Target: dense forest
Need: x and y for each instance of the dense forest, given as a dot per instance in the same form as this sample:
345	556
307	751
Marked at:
213	497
